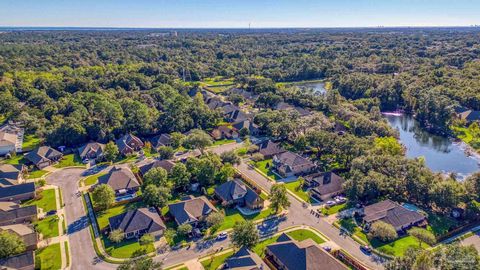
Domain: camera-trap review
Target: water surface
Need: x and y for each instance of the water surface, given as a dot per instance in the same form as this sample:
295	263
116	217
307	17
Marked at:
317	87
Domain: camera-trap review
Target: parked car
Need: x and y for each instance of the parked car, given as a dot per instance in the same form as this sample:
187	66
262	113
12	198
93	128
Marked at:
51	212
330	203
366	248
222	236
340	199
327	248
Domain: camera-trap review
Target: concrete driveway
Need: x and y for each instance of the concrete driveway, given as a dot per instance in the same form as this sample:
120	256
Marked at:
83	255
472	240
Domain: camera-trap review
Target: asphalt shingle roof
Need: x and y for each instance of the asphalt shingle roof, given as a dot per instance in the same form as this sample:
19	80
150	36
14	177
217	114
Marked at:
191	210
136	220
119	178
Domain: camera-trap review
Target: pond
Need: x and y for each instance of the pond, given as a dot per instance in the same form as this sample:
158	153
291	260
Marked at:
317	87
441	154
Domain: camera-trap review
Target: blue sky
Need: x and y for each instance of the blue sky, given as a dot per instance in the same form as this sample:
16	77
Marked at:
239	13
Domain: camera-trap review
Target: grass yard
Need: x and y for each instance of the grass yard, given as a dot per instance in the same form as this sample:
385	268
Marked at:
30	142
18	159
92	179
45	200
222	142
48	257
125	249
103	216
335	209
440	225
265	167
303	234
48	227
295	188
259	249
36	174
213	263
69	161
232	216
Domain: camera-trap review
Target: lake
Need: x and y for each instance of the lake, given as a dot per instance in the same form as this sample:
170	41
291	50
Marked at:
317	87
441	153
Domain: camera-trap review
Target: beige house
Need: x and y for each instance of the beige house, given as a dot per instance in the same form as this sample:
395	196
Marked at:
8	142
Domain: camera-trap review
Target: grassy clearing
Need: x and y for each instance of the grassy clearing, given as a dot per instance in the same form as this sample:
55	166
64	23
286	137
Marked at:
36	174
440	225
69	161
15	160
45	200
124	249
335	209
303	234
30	142
48	257
222	142
265	166
214	263
297	190
92	179
233	216
48	227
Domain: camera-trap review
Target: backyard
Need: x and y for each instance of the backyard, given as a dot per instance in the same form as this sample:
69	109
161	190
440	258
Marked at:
30	142
69	161
265	166
48	257
45	200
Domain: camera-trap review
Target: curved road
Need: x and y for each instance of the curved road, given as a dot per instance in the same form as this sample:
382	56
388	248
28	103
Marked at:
83	255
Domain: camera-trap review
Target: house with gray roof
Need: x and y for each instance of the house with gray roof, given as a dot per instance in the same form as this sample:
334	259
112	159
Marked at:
235	116
224	132
289	254
16	193
248	125
165	164
191	211
161	140
12	174
289	164
135	223
43	156
23	261
121	179
245	259
392	213
324	185
13	213
268	149
8	142
128	144
235	192
91	151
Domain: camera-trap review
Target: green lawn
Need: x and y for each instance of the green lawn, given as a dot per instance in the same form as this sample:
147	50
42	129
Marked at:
48	257
335	209
45	200
30	142
67	254
265	167
18	159
48	227
217	261
103	216
124	249
439	224
303	234
260	247
92	179
232	216
294	187
69	161
222	142
36	174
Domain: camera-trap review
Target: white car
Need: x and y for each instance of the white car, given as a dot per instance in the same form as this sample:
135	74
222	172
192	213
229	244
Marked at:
222	236
340	199
330	203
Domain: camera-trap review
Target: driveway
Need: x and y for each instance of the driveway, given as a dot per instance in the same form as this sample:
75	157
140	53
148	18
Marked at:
83	255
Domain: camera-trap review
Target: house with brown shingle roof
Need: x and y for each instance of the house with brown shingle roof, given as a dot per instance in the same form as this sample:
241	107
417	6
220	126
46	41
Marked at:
121	179
91	151
289	164
235	192
161	140
128	144
165	164
224	132
289	254
268	149
12	174
135	223
392	213
191	211
324	185
43	156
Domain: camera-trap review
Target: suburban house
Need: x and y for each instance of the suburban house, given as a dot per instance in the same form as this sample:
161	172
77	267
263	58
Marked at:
121	179
161	140
17	130
283	106
215	103
191	211
91	151
268	149
13	213
392	213
26	232
18	192
165	164
23	261
235	116
8	142
43	156
324	185
248	125
469	116
128	144
135	223
289	254
289	164
247	95
224	132
245	259
235	192
11	174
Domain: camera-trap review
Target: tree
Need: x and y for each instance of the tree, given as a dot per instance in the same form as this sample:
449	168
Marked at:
103	196
156	176
383	231
141	263
177	139
146	239
230	157
180	176
301	183
184	229
215	219
156	196
165	152
226	172
388	145
10	244
111	151
244	234
257	157
198	139
422	235
278	197
116	236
